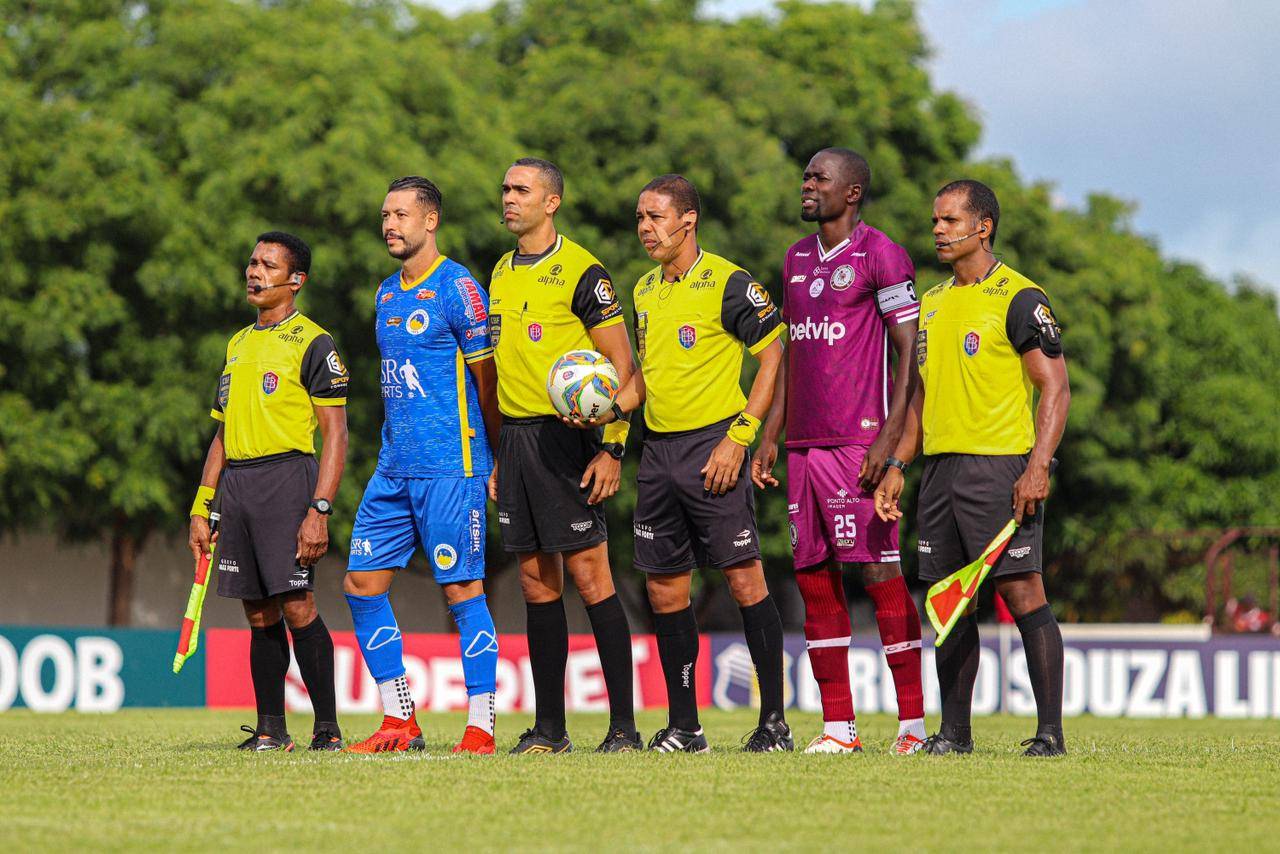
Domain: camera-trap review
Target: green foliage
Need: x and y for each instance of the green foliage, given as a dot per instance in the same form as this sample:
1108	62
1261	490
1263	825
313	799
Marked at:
144	145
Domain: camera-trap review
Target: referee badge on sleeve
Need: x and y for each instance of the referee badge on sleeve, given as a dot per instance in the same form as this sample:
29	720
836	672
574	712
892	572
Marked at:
922	347
224	390
495	328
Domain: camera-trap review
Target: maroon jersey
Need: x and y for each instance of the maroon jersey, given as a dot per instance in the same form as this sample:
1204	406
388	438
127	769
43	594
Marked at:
838	304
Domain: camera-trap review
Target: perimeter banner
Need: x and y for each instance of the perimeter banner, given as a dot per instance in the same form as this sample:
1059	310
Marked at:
1108	673
433	666
1231	677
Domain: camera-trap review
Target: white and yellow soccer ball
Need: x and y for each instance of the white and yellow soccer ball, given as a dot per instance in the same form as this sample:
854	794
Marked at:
582	384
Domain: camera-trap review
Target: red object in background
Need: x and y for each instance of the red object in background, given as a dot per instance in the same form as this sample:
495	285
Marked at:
434	668
1003	614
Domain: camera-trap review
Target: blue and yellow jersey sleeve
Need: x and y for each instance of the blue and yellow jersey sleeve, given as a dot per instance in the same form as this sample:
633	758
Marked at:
466	308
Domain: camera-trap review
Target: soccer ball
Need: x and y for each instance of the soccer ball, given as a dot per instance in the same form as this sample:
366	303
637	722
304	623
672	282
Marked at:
582	384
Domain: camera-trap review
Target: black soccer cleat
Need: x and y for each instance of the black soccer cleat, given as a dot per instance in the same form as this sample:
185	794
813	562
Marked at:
675	740
620	741
771	736
534	742
262	741
326	740
1045	744
939	745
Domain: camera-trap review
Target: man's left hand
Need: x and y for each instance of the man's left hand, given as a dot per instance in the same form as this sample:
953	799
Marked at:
721	470
1029	490
313	538
872	468
607	474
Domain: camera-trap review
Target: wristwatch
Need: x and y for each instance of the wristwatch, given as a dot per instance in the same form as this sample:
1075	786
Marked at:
895	463
619	415
323	506
615	449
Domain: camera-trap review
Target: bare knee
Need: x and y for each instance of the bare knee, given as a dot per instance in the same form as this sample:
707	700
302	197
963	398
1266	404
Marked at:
462	591
877	573
746	583
589	569
541	579
261	612
668	593
299	609
371	583
1023	593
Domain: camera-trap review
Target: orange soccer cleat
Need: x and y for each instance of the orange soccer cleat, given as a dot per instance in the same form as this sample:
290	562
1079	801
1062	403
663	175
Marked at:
393	736
475	740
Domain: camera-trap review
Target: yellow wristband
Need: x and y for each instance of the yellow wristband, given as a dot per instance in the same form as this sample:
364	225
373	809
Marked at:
615	432
743	429
200	507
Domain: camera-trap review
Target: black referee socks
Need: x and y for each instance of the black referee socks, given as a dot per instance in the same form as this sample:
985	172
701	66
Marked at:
548	632
313	647
678	650
762	624
957	663
1042	643
268	663
613	641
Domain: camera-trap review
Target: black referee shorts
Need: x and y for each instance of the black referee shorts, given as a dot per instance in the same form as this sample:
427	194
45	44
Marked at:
680	526
965	500
263	504
541	508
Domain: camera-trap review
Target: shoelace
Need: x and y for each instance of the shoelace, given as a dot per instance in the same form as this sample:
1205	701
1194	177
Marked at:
759	737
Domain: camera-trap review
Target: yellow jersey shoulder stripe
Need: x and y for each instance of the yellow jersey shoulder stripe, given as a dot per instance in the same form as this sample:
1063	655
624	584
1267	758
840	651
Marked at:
766	340
479	356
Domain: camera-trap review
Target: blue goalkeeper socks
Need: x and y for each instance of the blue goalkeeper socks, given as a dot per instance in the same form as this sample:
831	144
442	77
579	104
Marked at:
379	636
478	641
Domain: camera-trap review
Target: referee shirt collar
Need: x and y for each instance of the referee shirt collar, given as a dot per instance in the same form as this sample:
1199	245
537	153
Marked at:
692	268
290	316
539	258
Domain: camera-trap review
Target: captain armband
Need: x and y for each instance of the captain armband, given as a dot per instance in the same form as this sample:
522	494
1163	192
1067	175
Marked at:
896	296
204	496
743	429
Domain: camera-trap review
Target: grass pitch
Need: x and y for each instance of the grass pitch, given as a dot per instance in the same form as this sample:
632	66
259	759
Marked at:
168	779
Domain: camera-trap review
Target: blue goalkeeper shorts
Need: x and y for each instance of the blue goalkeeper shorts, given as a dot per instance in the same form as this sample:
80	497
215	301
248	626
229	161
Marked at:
444	516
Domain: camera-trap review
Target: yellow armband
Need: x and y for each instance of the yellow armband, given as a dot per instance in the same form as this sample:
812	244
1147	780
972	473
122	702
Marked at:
200	507
743	429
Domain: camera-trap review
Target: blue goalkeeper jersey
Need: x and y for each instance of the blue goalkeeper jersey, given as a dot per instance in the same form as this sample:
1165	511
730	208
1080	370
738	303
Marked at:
428	332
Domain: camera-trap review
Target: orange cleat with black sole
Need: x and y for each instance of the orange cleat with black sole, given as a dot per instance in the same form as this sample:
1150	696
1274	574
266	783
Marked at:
394	736
475	740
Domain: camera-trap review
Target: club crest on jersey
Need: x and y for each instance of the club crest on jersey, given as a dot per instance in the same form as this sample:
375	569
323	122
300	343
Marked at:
815	287
688	336
444	556
842	278
270	382
795	534
971	344
417	322
535	332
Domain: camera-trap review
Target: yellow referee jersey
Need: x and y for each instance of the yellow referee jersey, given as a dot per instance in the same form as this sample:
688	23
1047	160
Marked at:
273	377
977	394
690	334
541	307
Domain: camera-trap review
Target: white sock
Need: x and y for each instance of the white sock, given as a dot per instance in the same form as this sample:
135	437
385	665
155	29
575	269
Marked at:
396	702
913	726
480	711
845	731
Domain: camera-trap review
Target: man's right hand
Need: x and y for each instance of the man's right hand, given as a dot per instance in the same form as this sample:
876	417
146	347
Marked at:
888	493
198	540
762	465
493	483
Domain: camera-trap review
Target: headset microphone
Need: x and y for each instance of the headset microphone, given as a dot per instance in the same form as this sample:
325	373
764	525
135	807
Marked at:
960	239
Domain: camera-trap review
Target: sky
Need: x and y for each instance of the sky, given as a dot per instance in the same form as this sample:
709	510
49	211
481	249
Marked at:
1173	105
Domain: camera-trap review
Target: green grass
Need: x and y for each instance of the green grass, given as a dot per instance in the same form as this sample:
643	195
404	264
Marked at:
169	779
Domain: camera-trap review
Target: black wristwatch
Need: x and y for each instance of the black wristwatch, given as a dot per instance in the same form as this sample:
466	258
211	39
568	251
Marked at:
619	415
323	506
895	463
615	449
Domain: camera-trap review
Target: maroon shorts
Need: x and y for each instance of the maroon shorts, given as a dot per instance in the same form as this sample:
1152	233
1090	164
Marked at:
829	514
